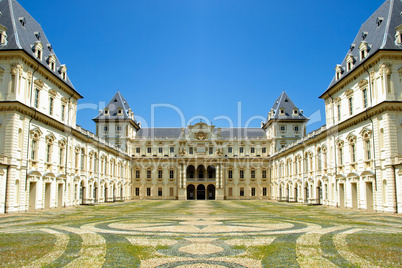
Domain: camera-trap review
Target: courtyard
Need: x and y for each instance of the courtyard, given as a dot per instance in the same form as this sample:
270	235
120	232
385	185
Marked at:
200	234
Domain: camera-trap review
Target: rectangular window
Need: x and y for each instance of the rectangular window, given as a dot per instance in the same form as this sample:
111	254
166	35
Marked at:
149	150
36	100
241	174
160	191
148	191
137	191
296	129
171	174
171	190
63	107
160	150
241	150
211	150
253	174
61	157
350	106
148	174
230	174
264	174
264	150
33	149
283	128
252	150
118	128
253	191
48	153
340	152
105	129
368	149
241	191
230	150
51	106
339	112
190	150
365	102
230	191
353	153
138	150
264	191
137	174
171	150
160	174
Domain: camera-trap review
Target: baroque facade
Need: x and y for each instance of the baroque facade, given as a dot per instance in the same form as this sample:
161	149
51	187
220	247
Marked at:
47	161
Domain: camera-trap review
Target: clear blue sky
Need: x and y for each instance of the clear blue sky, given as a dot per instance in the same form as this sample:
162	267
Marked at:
201	56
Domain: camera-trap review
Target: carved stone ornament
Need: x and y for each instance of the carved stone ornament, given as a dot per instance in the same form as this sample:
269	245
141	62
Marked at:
201	135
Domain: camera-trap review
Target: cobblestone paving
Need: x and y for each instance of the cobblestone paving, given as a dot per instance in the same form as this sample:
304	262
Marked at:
200	234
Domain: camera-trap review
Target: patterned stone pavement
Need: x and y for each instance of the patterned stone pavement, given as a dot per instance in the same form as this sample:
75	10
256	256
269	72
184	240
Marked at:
200	234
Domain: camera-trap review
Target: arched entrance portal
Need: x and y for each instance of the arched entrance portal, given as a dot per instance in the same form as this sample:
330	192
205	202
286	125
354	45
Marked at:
200	192
190	192
211	192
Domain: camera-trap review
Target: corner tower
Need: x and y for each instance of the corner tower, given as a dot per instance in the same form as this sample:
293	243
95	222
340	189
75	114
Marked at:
116	123
285	123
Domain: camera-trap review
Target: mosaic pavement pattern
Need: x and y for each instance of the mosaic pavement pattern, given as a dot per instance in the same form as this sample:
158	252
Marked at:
200	234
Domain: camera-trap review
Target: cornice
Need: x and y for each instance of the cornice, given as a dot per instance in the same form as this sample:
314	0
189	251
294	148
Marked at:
32	63
356	73
358	118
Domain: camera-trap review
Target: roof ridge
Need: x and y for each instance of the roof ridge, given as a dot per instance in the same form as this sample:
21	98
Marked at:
385	37
12	17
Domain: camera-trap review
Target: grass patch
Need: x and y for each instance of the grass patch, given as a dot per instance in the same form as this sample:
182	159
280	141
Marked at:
379	248
20	249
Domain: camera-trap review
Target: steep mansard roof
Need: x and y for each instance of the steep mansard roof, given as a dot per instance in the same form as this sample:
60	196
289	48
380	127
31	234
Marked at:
22	33
117	102
379	33
226	133
284	102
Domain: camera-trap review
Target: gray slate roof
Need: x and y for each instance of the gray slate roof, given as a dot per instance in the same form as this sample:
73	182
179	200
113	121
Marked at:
226	133
378	37
22	37
118	101
285	102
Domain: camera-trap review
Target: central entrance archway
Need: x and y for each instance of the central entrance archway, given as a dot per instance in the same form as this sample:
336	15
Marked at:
211	192
200	192
190	192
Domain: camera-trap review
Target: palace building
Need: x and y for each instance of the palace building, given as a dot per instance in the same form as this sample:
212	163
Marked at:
353	161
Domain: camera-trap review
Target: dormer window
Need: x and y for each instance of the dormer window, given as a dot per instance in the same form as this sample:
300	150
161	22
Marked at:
398	35
38	48
295	111
106	112
22	21
364	35
363	50
120	111
63	72
52	62
282	111
37	35
379	21
349	62
338	72
3	35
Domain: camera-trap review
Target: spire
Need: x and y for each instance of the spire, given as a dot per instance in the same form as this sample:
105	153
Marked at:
285	109
117	109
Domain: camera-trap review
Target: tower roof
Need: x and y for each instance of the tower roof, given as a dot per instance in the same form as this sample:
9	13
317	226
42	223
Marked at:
285	109
23	31
111	111
378	32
